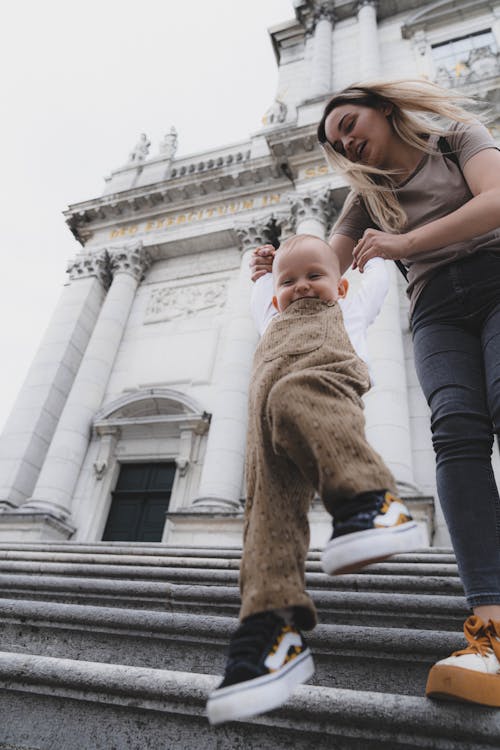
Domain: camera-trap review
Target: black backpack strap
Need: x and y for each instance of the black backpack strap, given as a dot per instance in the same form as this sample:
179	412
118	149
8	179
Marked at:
447	152
402	268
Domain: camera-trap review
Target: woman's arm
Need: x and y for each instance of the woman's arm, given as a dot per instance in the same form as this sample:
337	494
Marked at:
479	215
343	246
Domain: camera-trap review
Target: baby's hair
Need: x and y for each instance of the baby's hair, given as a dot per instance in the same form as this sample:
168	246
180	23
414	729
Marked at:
293	240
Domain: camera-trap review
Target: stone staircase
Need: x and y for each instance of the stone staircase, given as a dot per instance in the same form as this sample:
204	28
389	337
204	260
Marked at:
115	647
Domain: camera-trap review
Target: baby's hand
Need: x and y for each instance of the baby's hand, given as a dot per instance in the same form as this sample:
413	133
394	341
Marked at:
261	261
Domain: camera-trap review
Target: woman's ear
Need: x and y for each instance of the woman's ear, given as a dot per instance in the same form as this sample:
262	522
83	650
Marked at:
343	287
275	303
387	108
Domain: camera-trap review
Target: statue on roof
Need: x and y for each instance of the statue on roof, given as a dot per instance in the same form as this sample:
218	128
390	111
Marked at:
140	150
276	113
168	146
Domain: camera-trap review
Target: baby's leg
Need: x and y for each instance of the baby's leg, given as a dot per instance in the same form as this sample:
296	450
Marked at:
276	535
318	423
268	656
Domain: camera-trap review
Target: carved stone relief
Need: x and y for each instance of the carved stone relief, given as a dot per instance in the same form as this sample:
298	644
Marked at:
167	302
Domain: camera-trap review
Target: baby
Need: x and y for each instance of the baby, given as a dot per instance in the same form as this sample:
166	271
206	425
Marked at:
305	436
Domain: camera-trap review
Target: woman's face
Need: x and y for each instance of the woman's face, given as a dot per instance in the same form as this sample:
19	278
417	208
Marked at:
360	133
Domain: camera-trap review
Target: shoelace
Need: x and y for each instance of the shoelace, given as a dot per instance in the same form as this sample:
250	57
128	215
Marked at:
482	639
251	637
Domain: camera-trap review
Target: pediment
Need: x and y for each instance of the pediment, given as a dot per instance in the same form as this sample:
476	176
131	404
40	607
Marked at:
442	12
145	405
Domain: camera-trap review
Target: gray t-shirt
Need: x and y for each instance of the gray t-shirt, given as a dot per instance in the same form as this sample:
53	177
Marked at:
434	189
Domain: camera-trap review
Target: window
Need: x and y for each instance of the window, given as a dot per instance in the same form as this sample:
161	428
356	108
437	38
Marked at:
140	502
453	58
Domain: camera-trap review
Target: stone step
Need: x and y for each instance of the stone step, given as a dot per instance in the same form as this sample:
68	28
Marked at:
82	705
439	611
158	548
404	564
372	579
346	656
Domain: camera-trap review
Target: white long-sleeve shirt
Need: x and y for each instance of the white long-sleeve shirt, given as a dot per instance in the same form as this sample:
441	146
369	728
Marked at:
359	310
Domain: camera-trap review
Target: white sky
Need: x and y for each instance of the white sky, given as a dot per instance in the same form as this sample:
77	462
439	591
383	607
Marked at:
81	80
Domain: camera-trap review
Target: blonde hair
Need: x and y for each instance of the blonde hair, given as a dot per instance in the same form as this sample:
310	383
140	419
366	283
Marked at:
291	242
418	108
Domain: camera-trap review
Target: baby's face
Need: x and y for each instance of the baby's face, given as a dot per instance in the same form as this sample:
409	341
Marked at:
307	269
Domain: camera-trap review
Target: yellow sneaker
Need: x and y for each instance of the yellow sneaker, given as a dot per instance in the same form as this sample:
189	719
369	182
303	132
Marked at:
472	674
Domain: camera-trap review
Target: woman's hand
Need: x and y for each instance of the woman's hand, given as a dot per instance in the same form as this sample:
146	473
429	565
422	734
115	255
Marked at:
375	244
261	261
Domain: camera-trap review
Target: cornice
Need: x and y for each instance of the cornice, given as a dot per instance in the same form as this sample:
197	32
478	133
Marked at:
271	172
291	141
169	194
343	9
440	12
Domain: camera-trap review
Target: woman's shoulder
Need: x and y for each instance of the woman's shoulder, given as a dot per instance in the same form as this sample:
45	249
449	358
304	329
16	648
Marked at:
468	138
355	204
354	217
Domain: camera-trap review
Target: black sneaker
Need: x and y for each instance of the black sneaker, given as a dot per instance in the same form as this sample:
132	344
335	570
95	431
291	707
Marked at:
267	660
381	526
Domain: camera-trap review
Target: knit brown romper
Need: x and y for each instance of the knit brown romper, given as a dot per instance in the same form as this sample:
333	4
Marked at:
305	434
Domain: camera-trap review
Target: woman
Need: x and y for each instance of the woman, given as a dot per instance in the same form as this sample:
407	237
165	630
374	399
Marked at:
425	179
439	213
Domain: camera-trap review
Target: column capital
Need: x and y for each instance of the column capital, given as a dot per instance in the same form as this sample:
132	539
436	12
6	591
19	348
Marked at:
361	4
313	205
263	230
324	12
134	260
85	266
313	13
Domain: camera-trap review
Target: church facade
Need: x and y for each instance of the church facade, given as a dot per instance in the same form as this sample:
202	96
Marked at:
131	423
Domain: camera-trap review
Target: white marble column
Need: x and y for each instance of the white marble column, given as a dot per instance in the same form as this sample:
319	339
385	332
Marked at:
223	467
369	55
54	490
495	26
321	63
311	212
33	419
387	414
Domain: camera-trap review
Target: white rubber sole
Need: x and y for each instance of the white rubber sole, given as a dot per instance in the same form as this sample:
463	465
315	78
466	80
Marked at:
262	694
352	552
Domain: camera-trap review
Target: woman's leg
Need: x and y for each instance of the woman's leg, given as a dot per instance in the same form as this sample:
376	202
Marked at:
455	333
456	329
449	363
491	347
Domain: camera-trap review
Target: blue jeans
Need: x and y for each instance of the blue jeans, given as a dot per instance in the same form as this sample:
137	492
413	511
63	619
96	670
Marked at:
456	337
